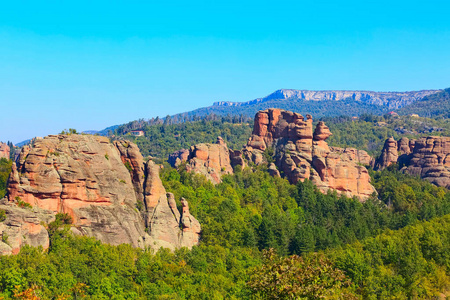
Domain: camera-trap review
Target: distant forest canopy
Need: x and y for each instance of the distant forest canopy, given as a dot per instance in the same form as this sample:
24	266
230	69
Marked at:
162	137
433	106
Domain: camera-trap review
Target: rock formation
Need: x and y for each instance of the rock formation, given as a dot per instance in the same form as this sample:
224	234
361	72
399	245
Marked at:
99	184
427	157
388	156
4	150
302	153
299	151
211	160
163	218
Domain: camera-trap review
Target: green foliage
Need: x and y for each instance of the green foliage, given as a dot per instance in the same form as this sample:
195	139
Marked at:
107	156
22	203
369	132
294	277
378	249
2	215
59	228
432	106
128	166
412	263
5	237
69	132
5	169
160	140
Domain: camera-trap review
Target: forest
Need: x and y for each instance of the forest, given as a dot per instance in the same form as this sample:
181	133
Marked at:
395	245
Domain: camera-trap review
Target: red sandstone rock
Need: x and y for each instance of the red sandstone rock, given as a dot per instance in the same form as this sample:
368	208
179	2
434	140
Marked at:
4	150
389	155
211	160
100	185
301	155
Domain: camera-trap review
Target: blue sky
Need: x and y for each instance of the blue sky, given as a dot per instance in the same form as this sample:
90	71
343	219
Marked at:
92	64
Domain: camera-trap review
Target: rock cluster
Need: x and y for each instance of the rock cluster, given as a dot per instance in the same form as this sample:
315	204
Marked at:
299	151
100	185
211	160
427	157
4	150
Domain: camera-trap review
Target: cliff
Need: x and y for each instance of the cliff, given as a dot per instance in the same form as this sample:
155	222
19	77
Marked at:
427	157
99	184
390	99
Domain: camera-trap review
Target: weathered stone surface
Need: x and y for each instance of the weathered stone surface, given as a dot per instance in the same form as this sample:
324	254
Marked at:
99	184
178	157
427	157
389	154
303	154
358	156
164	219
4	150
23	227
211	160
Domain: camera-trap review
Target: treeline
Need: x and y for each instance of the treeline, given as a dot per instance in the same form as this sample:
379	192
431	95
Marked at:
433	106
163	139
178	119
5	169
369	132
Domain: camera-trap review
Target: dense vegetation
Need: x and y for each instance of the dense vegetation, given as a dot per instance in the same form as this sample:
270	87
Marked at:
5	169
247	214
369	132
327	108
432	106
164	138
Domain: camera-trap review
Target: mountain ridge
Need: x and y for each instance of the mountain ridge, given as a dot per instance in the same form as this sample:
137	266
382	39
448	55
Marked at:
371	97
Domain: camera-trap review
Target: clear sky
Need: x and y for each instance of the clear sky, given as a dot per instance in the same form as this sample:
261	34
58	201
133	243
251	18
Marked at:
92	64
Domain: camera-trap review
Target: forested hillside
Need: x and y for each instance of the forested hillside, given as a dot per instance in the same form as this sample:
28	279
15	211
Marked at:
163	138
432	106
242	217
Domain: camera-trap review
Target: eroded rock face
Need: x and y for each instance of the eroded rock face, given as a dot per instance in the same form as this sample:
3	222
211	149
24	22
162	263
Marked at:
163	218
211	160
302	153
99	184
4	150
427	157
23	227
389	154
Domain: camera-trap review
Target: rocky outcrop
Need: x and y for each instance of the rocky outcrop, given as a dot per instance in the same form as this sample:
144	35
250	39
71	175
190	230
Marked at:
176	158
427	157
211	160
389	154
163	218
23	227
99	184
4	150
301	153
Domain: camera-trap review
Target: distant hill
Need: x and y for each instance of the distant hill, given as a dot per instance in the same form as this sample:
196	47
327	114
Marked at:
317	103
432	106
